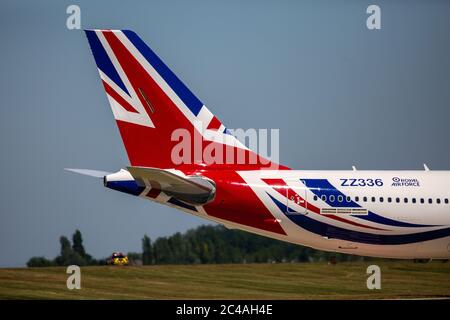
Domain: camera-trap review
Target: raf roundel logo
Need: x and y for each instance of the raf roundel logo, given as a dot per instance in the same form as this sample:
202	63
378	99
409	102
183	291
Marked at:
405	182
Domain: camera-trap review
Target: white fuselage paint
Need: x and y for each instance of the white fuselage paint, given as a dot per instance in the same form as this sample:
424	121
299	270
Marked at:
418	185
427	185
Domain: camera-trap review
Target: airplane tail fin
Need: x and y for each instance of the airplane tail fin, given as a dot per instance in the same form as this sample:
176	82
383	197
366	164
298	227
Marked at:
156	113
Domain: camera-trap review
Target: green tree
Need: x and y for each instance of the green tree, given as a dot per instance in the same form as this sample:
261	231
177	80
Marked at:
39	262
77	243
162	252
147	252
66	248
67	255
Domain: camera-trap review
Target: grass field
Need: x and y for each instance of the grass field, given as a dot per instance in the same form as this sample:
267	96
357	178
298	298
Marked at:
246	281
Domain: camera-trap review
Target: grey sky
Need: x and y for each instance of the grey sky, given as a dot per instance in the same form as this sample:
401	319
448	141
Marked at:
340	94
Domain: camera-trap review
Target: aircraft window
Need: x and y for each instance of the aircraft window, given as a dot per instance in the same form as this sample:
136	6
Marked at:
340	198
446	201
430	201
315	198
397	200
356	198
422	200
413	200
438	201
389	199
365	199
373	199
331	198
348	199
405	200
381	199
324	197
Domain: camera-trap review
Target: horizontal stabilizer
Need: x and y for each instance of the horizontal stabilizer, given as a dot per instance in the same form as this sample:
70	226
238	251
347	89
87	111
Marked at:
196	190
89	172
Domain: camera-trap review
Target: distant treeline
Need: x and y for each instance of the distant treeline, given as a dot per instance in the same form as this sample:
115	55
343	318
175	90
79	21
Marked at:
202	245
70	253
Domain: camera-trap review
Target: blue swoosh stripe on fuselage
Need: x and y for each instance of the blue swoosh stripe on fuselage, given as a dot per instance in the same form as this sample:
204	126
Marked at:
327	230
323	187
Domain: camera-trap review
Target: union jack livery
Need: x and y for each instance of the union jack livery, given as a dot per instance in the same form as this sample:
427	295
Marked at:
170	137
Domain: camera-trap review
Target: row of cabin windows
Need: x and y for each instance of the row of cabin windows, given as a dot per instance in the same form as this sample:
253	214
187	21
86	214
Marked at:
340	198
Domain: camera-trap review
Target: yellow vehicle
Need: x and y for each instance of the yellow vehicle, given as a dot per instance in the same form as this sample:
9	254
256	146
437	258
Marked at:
118	259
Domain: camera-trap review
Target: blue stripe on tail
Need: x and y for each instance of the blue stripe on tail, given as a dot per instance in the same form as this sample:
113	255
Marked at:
102	59
189	99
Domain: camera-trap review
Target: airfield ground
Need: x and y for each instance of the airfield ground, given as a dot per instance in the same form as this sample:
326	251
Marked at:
399	280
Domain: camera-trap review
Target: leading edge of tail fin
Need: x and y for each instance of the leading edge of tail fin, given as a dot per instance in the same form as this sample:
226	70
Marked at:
156	113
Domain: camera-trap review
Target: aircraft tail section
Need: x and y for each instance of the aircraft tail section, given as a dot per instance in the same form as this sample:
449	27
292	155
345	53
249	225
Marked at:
162	123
